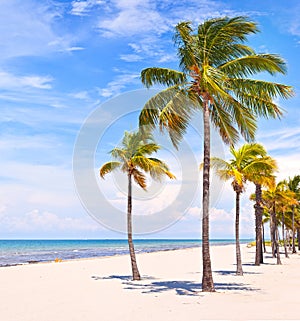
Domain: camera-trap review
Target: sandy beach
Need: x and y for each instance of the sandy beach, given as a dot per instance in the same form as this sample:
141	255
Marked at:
101	289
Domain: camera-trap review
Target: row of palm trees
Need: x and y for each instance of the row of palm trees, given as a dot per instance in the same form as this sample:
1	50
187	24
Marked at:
215	79
281	203
250	163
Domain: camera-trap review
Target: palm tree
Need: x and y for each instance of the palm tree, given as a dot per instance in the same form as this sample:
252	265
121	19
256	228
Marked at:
249	161
273	198
293	185
214	78
132	159
265	166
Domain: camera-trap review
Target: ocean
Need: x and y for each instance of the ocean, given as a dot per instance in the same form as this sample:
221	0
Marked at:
15	252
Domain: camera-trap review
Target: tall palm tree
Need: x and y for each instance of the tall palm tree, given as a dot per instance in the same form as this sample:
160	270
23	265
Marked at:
249	161
293	184
262	177
132	158
214	79
273	198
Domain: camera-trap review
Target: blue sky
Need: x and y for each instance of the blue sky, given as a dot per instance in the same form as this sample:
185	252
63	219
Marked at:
64	63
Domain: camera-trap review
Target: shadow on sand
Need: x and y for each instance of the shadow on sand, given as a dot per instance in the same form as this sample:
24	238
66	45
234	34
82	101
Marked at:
223	272
188	288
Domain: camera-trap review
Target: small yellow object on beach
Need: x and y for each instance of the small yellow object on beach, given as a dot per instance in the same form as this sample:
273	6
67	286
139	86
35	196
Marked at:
57	260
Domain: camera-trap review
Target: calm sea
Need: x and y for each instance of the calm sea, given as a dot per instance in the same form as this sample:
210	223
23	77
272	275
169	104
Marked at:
14	252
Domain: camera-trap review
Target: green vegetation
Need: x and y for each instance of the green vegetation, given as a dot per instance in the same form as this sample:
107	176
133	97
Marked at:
132	159
215	79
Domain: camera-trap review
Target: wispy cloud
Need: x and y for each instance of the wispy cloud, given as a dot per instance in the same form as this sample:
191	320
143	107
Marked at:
131	57
11	81
120	82
82	8
46	221
26	29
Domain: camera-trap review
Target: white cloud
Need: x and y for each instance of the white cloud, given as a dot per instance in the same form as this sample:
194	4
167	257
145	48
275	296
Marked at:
114	87
131	57
10	81
133	17
81	95
82	8
74	49
46	221
26	29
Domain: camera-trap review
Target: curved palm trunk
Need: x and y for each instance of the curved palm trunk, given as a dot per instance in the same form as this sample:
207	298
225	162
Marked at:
293	230
283	237
207	279
239	268
135	272
258	224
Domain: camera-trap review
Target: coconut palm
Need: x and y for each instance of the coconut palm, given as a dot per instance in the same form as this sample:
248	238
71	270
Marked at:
249	161
293	185
262	177
273	198
215	79
132	158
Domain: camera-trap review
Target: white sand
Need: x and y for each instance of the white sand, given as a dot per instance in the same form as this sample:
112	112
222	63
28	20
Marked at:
101	289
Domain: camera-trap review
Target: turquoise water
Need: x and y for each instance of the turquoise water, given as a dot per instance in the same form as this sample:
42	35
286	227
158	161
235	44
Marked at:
14	252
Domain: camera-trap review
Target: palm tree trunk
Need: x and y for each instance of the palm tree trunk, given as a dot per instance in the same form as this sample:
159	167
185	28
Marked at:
272	233
275	234
135	272
263	238
293	230
207	279
258	224
283	237
277	246
239	268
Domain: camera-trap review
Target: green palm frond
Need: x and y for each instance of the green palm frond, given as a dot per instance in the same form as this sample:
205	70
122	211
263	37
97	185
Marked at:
108	167
162	76
259	88
139	178
249	65
159	169
147	149
133	158
216	69
119	154
171	110
222	122
150	113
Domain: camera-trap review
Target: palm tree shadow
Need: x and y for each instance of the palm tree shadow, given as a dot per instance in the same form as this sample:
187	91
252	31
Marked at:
223	272
187	288
127	278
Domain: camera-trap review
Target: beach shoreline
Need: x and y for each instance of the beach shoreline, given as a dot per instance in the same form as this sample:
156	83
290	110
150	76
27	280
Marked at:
170	289
23	252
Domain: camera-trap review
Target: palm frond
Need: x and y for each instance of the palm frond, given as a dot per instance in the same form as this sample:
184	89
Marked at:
252	64
159	169
108	167
162	76
222	122
139	178
147	149
118	153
